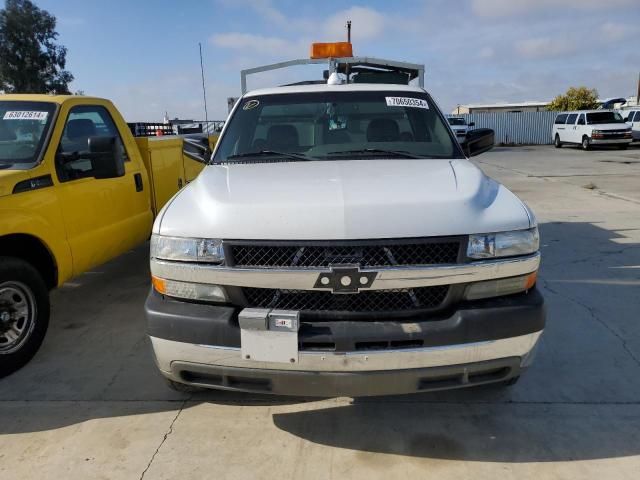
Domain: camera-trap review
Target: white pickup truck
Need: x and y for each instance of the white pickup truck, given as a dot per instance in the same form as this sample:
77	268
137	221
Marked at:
460	127
340	242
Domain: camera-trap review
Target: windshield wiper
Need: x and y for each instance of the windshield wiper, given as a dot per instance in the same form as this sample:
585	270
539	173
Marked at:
269	153
395	153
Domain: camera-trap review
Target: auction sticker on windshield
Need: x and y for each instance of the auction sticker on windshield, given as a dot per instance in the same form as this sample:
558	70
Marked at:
25	115
406	102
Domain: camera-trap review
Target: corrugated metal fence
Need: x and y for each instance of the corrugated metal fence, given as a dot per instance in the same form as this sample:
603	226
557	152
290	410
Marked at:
523	128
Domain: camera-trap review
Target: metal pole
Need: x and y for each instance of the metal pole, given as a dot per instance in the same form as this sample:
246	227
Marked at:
346	68
204	91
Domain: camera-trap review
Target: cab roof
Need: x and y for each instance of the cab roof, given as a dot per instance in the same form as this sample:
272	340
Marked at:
41	97
323	87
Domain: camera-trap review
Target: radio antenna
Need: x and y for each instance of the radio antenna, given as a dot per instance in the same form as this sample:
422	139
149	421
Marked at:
204	90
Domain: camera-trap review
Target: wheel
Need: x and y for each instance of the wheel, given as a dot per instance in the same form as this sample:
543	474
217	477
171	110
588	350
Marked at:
183	387
556	141
585	143
24	313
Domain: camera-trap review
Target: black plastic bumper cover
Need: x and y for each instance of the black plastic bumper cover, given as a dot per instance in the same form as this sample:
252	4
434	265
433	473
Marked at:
350	384
485	320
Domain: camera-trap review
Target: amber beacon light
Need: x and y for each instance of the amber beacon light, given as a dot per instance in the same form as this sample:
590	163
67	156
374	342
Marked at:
331	50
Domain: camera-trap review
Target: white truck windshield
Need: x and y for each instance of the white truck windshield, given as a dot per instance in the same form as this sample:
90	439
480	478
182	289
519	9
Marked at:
23	128
336	126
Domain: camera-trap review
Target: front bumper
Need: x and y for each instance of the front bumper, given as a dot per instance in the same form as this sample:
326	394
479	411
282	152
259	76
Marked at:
481	342
611	141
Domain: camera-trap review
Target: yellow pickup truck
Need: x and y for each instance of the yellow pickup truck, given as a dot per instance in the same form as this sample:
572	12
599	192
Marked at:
76	189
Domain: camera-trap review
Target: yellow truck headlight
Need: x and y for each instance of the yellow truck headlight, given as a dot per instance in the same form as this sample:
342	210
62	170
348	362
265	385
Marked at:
503	244
208	250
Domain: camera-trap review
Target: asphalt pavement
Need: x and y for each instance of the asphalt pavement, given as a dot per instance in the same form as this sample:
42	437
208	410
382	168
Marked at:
92	405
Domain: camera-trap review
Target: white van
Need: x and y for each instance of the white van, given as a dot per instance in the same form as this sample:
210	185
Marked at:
591	127
632	118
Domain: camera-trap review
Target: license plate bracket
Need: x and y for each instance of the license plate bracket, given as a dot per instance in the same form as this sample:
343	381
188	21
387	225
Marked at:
269	335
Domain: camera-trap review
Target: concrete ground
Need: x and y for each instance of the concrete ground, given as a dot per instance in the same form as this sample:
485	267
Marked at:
91	404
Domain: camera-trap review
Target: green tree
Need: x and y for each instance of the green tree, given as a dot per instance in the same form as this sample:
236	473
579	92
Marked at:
576	98
30	59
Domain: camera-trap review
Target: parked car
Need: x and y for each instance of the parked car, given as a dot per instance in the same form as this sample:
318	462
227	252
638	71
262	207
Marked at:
460	127
341	243
632	118
76	189
589	128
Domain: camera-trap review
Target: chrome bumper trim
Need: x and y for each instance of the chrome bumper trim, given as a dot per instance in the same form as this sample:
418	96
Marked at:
386	278
610	141
168	351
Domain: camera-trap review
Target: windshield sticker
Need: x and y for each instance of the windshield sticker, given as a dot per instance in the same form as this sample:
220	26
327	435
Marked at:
25	115
251	104
406	102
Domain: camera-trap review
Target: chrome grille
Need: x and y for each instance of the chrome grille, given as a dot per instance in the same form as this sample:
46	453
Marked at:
366	301
365	255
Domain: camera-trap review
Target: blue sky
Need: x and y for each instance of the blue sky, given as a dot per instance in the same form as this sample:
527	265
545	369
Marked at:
143	55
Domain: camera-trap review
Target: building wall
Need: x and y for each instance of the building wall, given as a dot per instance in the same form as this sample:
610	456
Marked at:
519	108
526	128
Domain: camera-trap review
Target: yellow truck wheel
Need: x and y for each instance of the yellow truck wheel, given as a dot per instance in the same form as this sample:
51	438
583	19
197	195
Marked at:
24	313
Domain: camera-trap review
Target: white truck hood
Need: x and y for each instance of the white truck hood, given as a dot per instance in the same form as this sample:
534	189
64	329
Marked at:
355	199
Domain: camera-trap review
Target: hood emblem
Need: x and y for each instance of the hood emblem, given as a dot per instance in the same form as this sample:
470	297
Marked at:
345	280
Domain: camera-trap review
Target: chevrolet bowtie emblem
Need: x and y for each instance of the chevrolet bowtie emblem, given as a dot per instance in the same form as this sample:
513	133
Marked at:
345	280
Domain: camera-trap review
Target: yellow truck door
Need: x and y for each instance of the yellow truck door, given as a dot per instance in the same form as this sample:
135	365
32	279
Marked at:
103	217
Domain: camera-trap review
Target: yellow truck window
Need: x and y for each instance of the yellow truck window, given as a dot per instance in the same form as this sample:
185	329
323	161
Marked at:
82	123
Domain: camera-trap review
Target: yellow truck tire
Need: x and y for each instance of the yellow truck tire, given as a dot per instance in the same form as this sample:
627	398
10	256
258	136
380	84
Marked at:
24	313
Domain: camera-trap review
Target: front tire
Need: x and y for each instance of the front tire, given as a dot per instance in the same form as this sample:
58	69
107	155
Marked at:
586	144
24	313
556	141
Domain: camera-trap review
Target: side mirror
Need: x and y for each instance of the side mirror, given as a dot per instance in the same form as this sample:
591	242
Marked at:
478	141
472	124
197	148
626	119
107	159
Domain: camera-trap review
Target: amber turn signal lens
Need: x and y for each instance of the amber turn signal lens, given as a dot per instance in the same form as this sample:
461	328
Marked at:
159	284
531	280
331	50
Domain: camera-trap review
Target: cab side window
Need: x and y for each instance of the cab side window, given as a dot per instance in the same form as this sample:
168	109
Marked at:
571	119
82	123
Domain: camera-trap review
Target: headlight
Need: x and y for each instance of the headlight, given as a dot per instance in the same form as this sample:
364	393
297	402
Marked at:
503	244
187	249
